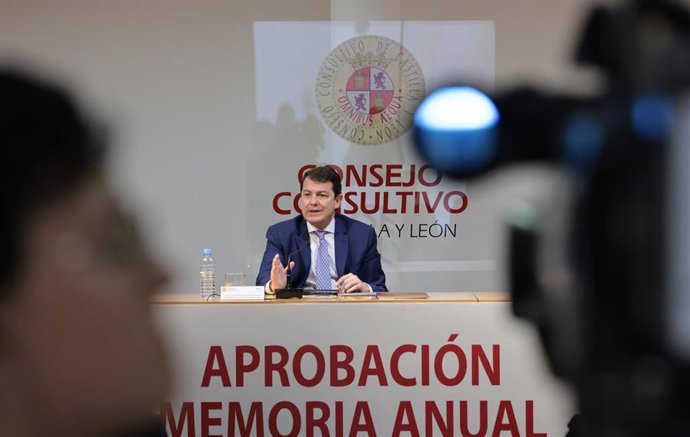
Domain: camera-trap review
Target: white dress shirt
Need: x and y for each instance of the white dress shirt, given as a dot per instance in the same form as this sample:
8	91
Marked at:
314	248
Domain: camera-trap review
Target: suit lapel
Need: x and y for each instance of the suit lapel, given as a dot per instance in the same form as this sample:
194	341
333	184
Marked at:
341	245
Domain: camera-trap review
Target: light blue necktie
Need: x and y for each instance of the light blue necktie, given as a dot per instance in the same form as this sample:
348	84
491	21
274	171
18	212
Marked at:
323	263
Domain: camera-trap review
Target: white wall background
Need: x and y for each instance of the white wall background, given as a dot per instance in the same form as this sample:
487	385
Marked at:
176	81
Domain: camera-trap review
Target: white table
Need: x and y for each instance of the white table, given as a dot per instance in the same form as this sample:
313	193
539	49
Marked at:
334	367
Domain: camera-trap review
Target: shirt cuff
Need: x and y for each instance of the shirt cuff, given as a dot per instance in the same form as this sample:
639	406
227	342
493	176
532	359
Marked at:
267	288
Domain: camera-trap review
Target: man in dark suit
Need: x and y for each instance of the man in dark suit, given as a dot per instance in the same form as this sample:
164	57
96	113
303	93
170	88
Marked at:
326	250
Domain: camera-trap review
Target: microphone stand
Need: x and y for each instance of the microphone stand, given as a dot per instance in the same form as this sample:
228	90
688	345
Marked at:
289	292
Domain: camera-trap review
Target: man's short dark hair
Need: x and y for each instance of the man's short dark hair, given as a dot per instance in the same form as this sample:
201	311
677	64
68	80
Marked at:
323	174
46	151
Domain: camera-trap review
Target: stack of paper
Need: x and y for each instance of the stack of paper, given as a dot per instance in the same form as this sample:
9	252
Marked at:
358	295
400	295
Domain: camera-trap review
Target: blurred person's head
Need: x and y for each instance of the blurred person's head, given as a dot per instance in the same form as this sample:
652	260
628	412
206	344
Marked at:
79	353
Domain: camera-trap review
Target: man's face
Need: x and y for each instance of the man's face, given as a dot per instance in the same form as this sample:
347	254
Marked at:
319	202
80	312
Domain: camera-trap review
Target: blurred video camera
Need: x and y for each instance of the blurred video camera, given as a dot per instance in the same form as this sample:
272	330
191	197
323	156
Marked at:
604	270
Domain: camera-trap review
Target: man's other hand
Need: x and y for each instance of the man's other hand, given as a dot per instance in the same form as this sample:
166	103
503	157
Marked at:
350	283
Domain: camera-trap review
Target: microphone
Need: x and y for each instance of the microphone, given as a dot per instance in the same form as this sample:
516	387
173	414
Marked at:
288	291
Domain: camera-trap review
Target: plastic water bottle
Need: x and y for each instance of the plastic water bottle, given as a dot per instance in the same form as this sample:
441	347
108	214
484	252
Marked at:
208	274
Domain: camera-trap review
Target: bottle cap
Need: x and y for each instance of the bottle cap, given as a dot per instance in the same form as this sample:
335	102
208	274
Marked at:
207	251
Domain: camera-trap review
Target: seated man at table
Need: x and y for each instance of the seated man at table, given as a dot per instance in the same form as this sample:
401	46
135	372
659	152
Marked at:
326	250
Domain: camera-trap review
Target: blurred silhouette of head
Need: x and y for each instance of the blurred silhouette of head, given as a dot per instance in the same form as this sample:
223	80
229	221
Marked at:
79	353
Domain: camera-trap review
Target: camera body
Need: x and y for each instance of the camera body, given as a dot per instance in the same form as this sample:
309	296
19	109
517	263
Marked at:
600	269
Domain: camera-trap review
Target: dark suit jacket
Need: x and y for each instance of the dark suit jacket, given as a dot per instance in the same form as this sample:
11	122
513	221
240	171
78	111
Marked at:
355	251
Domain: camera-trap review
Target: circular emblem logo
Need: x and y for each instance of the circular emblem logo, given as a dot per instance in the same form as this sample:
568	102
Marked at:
368	88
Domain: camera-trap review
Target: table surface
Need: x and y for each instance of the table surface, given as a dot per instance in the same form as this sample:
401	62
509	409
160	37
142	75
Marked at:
433	297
